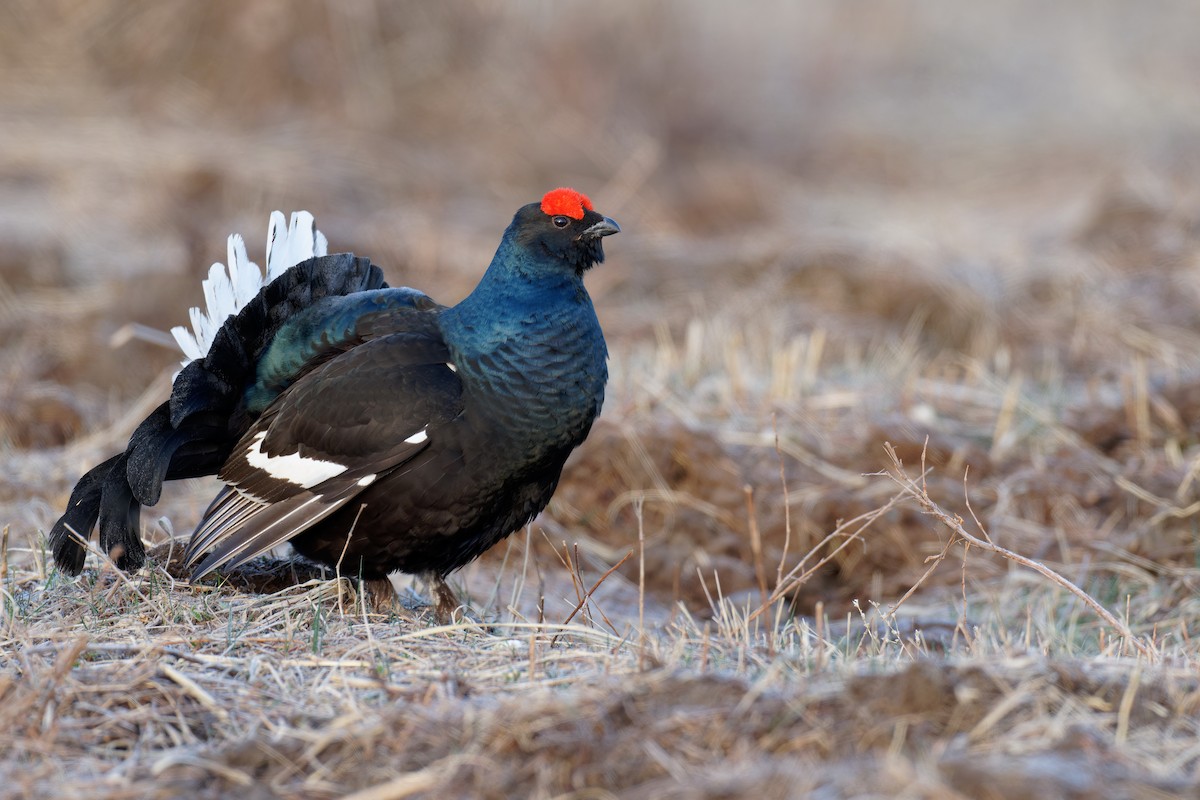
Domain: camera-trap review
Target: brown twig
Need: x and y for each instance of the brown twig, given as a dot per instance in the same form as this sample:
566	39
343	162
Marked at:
955	523
756	549
589	592
936	560
796	577
588	601
787	507
337	568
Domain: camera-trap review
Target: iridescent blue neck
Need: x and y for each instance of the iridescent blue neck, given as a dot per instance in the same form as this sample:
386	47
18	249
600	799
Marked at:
528	348
516	298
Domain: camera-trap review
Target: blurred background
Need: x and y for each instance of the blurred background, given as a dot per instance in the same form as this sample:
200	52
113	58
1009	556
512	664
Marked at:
844	223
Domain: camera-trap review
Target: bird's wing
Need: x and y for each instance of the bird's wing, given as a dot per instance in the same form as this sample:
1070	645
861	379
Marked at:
328	437
328	328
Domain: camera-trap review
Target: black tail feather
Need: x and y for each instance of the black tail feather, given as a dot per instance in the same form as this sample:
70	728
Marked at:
70	533
149	454
120	517
198	457
103	494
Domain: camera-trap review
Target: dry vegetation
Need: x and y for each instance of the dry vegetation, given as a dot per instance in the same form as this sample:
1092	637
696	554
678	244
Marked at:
971	231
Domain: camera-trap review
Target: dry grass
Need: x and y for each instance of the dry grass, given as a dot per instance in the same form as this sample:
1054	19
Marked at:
968	238
143	688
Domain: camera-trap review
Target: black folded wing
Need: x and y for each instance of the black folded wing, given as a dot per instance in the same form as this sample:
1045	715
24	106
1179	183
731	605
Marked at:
331	435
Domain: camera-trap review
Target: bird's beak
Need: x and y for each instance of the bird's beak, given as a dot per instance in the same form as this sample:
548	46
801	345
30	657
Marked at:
604	227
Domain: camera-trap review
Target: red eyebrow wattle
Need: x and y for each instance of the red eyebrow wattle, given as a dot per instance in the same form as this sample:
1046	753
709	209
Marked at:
565	202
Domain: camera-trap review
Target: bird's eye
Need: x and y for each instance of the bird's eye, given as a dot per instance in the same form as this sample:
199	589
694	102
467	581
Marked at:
561	222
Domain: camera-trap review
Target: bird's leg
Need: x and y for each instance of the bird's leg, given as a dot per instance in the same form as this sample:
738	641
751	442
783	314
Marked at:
445	602
381	595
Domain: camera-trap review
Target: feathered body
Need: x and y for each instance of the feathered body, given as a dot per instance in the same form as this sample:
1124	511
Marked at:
371	427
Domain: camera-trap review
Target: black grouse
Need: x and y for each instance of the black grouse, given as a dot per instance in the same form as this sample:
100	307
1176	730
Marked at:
369	426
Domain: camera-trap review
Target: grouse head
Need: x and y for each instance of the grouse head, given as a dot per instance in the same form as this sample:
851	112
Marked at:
563	231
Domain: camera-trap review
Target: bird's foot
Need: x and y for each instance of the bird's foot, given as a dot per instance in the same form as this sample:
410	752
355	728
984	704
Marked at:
445	601
380	596
447	608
